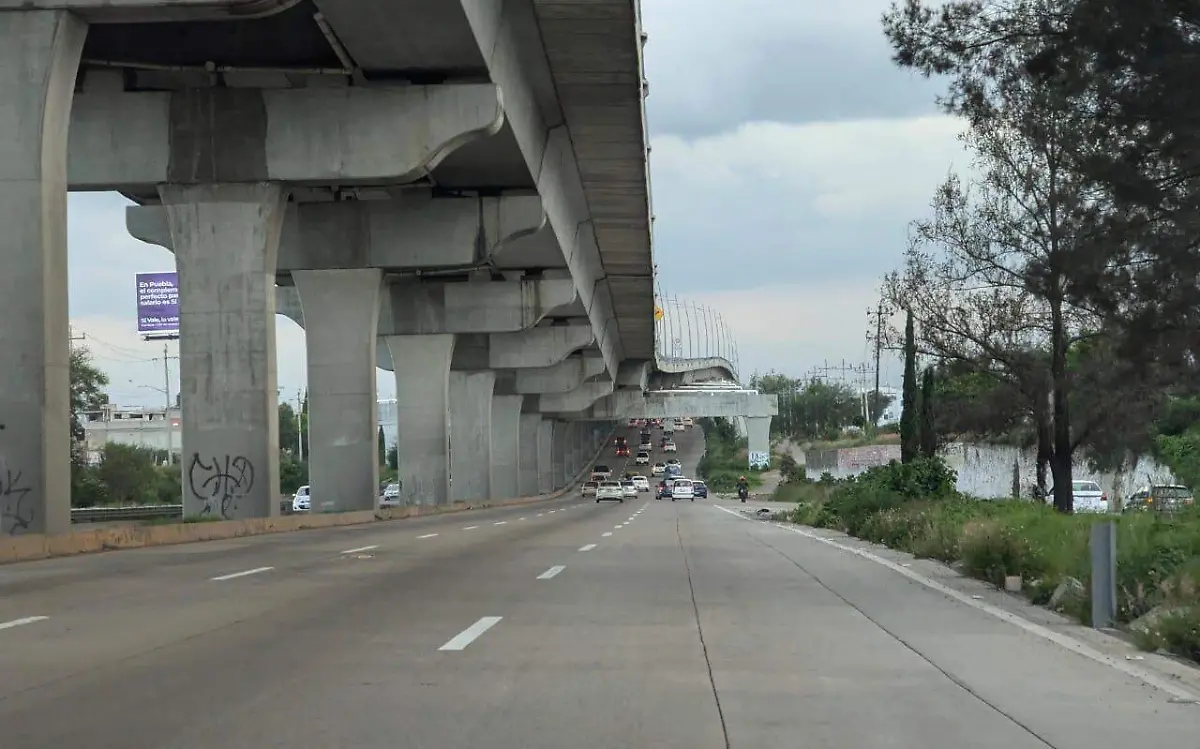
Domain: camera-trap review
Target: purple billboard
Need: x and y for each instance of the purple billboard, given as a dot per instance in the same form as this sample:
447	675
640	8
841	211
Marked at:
158	304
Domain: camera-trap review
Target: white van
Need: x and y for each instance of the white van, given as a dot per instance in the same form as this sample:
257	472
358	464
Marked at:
683	489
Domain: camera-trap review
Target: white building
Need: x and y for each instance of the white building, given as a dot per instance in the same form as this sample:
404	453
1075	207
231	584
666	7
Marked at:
143	427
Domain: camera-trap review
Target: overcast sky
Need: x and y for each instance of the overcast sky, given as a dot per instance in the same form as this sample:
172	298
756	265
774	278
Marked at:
789	156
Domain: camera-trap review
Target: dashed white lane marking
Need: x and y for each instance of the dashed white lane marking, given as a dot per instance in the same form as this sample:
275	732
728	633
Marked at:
1058	638
521	518
589	547
243	573
461	640
606	535
361	548
23	622
500	522
470	527
618	527
540	514
553	571
427	535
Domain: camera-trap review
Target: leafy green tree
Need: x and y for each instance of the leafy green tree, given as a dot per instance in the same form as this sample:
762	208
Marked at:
393	458
87	388
382	447
909	418
129	472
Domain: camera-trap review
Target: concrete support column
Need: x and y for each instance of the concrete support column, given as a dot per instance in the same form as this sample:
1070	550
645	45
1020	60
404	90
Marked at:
545	456
226	239
528	450
39	56
758	438
422	369
341	314
471	435
506	446
561	452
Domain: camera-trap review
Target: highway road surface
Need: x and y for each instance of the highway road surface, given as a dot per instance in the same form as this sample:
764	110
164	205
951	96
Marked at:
564	625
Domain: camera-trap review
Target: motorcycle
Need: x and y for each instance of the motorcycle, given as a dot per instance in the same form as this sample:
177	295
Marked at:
743	492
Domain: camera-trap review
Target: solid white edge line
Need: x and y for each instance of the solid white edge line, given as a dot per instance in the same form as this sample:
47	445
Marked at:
1065	641
550	573
23	621
461	640
243	573
427	535
361	548
587	547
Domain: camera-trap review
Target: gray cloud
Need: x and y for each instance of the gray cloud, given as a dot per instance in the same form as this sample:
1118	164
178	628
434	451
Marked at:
714	64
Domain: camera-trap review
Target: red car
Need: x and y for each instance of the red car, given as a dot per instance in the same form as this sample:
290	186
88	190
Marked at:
623	451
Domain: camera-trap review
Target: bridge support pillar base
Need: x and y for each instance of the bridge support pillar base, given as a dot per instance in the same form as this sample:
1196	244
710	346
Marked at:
39	56
560	453
422	369
226	237
471	435
342	313
506	445
528	447
545	456
758	437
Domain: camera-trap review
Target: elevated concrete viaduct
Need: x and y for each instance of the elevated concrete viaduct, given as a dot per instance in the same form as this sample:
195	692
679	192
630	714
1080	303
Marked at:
454	189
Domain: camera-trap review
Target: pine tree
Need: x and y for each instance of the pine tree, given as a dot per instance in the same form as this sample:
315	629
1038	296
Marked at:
928	430
910	440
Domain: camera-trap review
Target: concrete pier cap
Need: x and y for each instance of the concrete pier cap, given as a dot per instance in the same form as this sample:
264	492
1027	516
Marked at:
411	231
323	135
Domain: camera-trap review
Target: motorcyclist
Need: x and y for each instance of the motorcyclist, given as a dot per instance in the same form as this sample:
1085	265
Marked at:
743	487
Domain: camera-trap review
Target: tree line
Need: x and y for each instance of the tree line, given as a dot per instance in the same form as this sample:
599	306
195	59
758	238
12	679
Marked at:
817	409
1054	287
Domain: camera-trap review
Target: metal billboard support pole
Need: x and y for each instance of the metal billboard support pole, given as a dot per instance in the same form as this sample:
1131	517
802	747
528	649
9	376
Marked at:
1104	574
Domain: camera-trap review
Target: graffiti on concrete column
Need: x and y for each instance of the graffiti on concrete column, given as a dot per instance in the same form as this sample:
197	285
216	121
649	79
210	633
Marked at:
16	507
219	484
760	459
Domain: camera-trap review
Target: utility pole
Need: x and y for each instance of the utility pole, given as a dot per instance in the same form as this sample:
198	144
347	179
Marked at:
872	418
299	425
167	413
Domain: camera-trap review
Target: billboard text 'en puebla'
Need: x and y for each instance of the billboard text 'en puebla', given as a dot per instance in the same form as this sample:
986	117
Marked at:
158	304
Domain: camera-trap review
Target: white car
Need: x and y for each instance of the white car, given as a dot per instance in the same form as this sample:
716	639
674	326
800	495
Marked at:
688	423
1088	495
670	448
683	489
601	470
610	490
646	446
589	488
642	483
658	469
302	502
629	488
391	496
642	459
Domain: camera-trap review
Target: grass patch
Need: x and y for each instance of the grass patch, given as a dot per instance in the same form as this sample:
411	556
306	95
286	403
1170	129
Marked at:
914	509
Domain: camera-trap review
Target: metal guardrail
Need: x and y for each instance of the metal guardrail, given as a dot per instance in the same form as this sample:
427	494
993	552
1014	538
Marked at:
81	515
135	512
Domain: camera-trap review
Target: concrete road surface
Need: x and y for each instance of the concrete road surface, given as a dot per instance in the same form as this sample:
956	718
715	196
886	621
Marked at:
566	625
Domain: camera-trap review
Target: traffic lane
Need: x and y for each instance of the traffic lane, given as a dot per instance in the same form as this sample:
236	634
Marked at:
140	614
356	665
86	569
895	659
